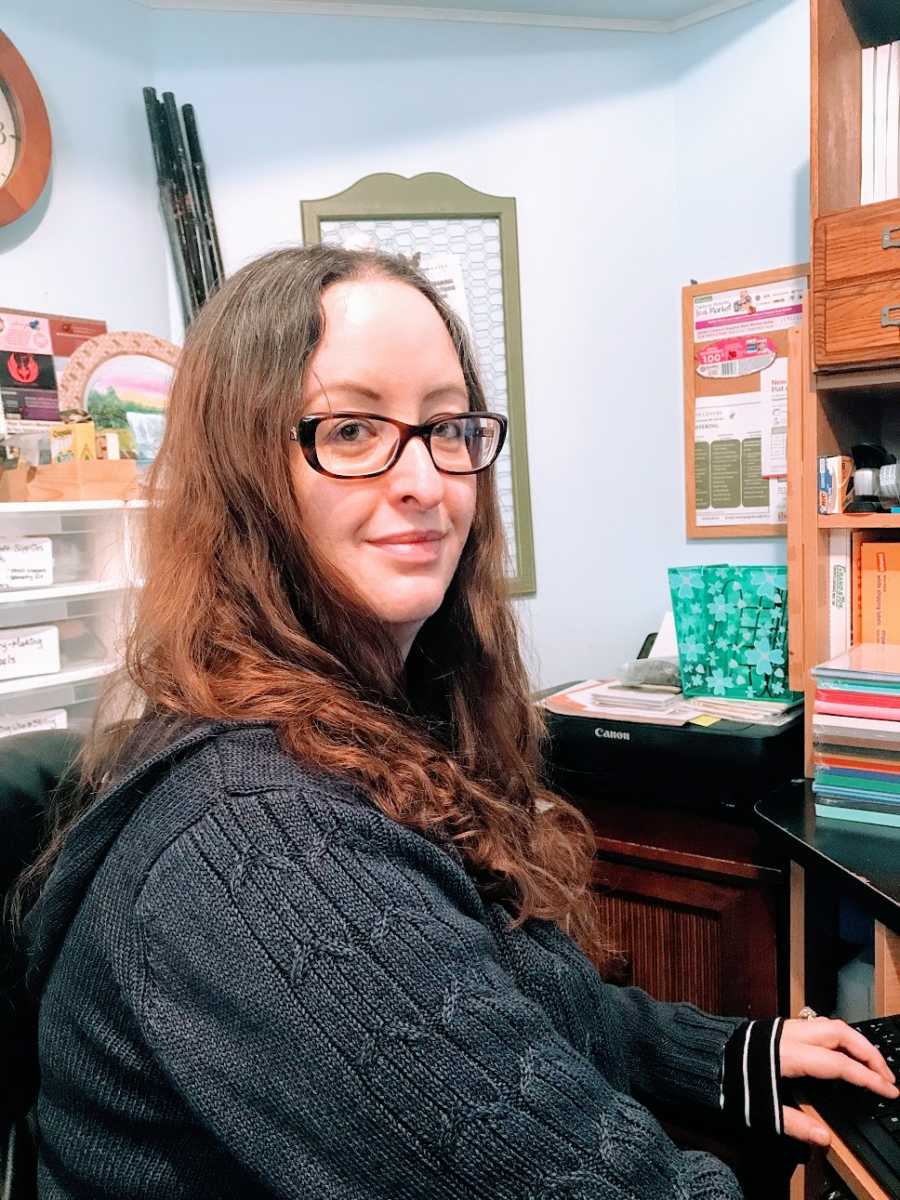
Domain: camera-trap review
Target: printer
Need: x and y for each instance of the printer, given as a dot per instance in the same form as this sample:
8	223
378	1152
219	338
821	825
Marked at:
724	767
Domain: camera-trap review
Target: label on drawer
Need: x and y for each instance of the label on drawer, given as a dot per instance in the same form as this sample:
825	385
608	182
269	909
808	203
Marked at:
32	650
49	718
26	562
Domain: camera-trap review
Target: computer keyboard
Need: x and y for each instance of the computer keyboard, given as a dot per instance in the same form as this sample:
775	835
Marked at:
867	1123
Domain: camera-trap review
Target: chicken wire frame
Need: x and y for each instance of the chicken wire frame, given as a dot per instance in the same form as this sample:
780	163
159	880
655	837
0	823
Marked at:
438	197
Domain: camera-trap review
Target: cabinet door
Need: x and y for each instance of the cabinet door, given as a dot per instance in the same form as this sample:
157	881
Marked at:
710	942
858	324
857	246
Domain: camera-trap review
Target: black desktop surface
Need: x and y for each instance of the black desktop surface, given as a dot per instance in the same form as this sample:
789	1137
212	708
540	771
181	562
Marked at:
864	859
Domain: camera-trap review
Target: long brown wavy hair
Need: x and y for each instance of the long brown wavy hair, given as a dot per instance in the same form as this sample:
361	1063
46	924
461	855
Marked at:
238	619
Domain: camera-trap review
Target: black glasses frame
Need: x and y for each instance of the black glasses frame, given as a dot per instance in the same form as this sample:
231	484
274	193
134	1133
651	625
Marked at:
304	433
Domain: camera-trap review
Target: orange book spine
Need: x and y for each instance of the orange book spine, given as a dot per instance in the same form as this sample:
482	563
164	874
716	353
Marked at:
881	593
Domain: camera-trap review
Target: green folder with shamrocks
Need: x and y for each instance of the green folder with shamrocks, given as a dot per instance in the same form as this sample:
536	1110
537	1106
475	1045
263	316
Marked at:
732	628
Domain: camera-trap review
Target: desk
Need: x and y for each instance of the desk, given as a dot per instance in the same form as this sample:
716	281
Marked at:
865	865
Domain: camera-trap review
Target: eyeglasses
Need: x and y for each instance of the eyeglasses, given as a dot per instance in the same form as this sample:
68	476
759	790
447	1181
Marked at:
354	445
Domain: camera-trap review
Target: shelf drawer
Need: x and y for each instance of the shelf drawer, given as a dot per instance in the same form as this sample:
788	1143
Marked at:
852	324
859	245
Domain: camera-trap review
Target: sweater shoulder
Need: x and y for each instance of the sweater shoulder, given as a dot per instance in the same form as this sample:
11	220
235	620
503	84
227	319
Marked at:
241	792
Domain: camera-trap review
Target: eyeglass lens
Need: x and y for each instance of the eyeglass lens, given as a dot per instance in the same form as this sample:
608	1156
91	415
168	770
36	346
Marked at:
359	445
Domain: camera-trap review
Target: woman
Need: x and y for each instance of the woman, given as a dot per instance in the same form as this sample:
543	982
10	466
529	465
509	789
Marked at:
307	940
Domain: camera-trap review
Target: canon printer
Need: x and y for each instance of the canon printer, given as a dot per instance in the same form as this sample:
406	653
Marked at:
729	765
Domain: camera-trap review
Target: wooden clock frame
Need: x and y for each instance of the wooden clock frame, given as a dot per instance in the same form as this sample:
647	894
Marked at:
32	165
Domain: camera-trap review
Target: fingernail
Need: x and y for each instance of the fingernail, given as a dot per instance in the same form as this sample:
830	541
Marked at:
821	1135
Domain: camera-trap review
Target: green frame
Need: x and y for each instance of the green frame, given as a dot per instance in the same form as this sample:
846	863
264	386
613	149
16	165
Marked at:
438	196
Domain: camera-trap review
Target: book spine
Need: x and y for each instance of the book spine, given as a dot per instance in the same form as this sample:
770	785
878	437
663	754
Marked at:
892	157
882	69
832	708
839	576
861	699
859	816
867	139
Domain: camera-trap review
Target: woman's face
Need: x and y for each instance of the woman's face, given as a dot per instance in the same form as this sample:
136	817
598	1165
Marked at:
386	351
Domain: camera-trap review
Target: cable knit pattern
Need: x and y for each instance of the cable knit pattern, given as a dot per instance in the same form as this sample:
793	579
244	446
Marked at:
263	987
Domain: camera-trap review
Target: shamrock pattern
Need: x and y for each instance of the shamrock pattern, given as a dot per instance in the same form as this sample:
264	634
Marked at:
732	627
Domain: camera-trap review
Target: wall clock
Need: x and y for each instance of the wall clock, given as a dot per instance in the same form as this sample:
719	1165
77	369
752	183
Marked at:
25	143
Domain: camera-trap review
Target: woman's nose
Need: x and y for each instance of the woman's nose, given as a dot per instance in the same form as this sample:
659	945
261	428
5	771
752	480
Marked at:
414	474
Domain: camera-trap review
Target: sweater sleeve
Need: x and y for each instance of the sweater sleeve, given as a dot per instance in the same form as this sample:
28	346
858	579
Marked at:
672	1053
331	1009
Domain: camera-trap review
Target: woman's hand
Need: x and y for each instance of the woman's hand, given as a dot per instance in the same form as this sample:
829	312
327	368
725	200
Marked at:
826	1049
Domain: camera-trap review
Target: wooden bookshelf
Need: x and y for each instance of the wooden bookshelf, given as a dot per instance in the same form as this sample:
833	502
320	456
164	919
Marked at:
856	248
860	521
843	389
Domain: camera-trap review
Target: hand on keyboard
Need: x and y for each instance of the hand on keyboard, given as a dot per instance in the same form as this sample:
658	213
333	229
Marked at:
827	1049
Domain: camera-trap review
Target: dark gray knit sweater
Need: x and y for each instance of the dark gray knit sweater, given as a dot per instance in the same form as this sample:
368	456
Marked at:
254	984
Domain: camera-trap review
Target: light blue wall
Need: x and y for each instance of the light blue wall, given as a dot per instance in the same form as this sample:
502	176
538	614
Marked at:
604	140
579	128
93	245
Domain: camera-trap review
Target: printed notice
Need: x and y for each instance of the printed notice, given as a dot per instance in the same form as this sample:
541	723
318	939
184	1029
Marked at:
33	650
444	271
749	311
48	718
730	488
26	562
774	401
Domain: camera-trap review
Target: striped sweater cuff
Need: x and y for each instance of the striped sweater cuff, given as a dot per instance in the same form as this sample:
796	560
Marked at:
751	1076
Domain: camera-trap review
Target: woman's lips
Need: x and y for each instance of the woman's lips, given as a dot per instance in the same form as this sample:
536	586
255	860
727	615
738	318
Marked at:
412	547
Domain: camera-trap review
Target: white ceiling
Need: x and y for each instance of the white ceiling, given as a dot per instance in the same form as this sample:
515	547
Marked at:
648	16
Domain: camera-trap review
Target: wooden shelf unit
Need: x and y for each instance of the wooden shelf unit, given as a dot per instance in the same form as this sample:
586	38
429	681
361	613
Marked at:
843	384
855	291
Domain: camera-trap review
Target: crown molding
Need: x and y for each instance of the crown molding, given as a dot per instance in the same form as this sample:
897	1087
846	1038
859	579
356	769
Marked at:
403	12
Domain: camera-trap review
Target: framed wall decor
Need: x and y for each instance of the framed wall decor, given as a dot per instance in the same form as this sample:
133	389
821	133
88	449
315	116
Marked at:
122	380
26	144
466	242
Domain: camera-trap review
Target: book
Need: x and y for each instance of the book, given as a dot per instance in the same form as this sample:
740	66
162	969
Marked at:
858	538
879	154
892	134
867	132
858	733
868	660
862	781
834	708
862	699
881	592
837	757
861	816
885	805
839	597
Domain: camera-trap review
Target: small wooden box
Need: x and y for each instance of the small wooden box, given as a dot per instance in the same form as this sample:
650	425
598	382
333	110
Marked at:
99	479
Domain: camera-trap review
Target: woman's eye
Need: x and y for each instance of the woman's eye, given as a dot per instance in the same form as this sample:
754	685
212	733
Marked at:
448	430
351	431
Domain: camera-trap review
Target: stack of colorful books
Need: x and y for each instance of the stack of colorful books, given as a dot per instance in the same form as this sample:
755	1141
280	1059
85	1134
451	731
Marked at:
856	735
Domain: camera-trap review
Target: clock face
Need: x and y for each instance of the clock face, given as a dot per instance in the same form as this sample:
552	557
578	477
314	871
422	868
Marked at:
9	136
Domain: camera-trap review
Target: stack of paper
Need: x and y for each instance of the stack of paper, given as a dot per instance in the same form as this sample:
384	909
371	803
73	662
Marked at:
645	698
856	735
578	701
756	712
880	133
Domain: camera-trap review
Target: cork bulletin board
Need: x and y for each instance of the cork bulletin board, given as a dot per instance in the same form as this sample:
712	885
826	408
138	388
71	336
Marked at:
735	345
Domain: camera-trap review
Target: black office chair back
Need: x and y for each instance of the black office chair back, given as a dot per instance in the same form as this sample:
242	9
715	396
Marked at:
32	766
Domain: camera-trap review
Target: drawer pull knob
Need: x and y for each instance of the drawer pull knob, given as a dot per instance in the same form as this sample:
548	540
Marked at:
886	319
887	238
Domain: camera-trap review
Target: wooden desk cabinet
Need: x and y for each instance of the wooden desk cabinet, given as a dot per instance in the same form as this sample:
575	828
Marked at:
692	904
